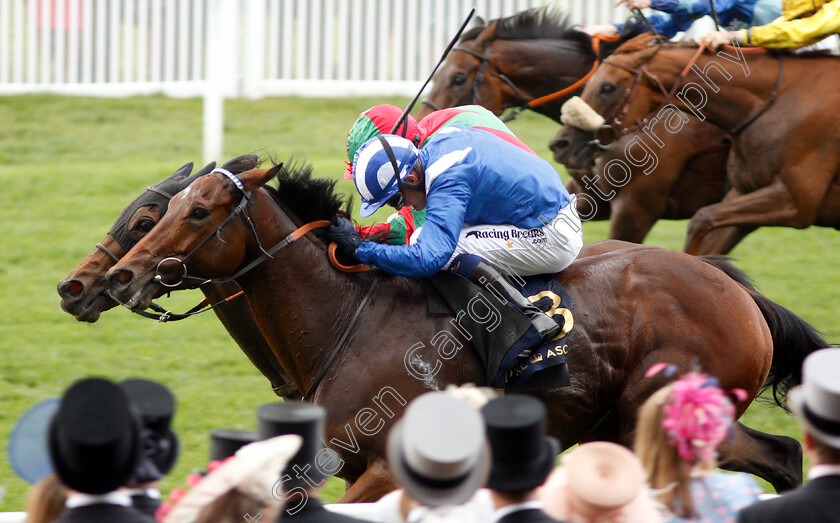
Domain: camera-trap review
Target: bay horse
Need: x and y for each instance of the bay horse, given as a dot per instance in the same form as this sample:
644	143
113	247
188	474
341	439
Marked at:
84	292
634	307
533	59
785	158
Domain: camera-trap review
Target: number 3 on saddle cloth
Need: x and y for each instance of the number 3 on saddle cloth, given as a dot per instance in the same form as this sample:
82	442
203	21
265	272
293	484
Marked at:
505	340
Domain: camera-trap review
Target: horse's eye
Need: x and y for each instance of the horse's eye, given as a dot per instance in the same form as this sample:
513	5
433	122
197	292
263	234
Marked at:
199	213
459	79
145	225
607	88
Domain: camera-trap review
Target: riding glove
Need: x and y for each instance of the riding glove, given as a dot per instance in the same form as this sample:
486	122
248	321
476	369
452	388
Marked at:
345	235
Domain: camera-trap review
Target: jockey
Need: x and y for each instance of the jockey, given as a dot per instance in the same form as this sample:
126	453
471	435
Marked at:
678	15
381	119
803	22
487	202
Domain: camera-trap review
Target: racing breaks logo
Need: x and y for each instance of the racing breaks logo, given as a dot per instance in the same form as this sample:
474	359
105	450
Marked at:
536	236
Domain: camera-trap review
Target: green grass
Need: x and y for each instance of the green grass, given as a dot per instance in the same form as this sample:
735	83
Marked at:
69	165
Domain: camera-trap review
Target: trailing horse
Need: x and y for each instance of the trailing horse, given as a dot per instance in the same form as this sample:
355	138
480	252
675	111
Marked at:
634	307
785	160
535	60
84	291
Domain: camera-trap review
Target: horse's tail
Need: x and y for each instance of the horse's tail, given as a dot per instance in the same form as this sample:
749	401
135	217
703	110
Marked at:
793	338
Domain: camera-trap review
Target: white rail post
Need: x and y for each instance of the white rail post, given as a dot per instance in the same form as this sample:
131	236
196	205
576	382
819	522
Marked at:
214	101
254	52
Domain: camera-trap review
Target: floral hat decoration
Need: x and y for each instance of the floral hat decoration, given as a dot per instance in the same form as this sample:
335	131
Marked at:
698	413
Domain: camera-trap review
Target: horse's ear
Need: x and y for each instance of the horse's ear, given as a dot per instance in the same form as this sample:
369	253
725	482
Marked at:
478	22
184	171
186	182
486	36
256	178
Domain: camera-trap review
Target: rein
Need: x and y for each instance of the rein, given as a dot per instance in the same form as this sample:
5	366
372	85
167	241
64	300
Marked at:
202	306
639	74
485	63
642	72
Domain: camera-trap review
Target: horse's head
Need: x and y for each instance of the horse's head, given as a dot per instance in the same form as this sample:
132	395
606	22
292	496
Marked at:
618	96
464	79
203	235
84	291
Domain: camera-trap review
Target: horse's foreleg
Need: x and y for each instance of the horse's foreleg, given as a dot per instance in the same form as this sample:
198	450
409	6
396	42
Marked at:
777	459
631	218
375	482
723	240
772	205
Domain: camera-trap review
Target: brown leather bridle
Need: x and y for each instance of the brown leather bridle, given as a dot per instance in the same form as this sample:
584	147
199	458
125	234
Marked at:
484	58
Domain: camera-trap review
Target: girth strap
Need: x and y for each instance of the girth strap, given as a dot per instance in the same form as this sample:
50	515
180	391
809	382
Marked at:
314	385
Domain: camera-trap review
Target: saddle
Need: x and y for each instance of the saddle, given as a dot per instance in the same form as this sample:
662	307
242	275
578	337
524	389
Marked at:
504	339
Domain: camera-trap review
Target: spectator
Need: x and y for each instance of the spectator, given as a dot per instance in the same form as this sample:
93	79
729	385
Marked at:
444	418
46	500
677	435
225	442
816	403
306	471
399	507
95	445
523	456
156	406
241	488
599	482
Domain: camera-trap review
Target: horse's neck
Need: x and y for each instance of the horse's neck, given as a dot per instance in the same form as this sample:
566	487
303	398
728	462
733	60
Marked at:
735	87
541	67
300	303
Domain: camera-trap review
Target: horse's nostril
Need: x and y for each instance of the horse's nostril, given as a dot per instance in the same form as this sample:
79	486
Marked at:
559	145
71	289
123	276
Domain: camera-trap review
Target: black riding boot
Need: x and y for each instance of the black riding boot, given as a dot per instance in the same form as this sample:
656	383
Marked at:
489	277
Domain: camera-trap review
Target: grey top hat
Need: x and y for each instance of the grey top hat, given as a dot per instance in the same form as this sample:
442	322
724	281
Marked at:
438	451
817	401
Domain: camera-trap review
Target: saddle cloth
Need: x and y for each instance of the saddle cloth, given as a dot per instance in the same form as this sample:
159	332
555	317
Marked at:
500	333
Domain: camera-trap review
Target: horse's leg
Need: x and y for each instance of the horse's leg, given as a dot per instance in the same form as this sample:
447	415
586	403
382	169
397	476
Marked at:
585	209
770	205
374	483
632	218
777	459
723	240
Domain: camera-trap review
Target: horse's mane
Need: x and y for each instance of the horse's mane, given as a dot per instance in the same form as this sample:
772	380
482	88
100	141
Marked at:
308	198
536	23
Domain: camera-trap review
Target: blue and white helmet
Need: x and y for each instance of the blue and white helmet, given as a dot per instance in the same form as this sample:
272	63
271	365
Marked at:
375	175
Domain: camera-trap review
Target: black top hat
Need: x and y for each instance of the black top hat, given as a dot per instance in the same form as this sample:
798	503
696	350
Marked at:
225	442
156	406
301	418
94	438
523	455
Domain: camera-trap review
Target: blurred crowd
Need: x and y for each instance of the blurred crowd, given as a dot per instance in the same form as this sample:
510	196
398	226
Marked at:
466	454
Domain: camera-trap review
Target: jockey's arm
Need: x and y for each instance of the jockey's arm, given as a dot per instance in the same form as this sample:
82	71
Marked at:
446	206
666	24
692	8
782	33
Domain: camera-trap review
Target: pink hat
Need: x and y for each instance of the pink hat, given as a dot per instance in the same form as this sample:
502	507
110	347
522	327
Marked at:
599	480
